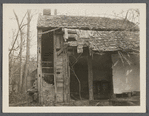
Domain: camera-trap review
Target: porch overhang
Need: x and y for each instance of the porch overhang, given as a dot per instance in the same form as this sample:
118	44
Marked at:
102	40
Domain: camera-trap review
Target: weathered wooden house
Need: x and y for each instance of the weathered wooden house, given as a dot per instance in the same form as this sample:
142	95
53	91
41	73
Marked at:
75	55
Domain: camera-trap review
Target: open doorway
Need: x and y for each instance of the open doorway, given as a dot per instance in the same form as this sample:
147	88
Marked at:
79	77
47	57
102	76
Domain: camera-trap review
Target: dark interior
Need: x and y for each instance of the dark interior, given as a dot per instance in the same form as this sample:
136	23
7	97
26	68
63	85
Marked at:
47	57
102	73
47	47
81	70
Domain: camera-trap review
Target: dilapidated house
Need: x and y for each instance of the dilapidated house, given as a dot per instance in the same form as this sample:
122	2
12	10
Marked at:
75	55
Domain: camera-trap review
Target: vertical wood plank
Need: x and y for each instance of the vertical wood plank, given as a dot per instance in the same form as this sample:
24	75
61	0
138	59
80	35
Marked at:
111	79
90	78
64	73
60	77
55	59
68	78
39	66
58	44
69	84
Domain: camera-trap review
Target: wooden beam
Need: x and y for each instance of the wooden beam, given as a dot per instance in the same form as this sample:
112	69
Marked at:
72	31
72	36
61	50
55	59
68	70
59	32
90	78
39	67
112	87
65	76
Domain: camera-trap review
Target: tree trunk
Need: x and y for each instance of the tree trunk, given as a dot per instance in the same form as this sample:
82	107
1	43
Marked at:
21	45
20	83
27	50
10	72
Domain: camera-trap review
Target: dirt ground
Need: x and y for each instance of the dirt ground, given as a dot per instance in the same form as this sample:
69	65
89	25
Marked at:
131	101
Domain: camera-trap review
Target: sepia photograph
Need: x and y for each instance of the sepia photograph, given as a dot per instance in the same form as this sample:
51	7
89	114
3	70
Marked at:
61	57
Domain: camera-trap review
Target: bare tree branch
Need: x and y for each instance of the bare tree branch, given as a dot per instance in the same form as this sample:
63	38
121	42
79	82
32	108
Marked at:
17	32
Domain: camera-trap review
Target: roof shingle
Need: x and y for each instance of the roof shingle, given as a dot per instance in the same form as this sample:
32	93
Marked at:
85	22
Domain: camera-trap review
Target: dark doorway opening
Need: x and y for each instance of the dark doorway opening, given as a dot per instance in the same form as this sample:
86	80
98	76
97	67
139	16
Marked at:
47	47
81	70
101	89
47	57
102	76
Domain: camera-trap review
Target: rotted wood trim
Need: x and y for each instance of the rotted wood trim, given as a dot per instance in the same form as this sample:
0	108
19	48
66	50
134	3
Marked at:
72	31
39	66
75	36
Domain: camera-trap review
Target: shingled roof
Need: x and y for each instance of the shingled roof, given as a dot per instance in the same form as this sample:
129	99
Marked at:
105	40
85	22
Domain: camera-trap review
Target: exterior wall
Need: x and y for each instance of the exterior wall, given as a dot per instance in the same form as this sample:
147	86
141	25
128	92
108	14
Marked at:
126	78
48	92
62	76
59	92
59	78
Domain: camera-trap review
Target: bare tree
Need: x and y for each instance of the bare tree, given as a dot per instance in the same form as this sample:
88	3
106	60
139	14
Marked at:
20	51
20	26
27	47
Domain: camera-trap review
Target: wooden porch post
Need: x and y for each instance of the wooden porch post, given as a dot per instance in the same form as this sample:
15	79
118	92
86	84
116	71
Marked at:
68	80
112	87
90	78
55	59
39	66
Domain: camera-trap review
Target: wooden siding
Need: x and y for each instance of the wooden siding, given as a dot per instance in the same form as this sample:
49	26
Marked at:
61	70
39	66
